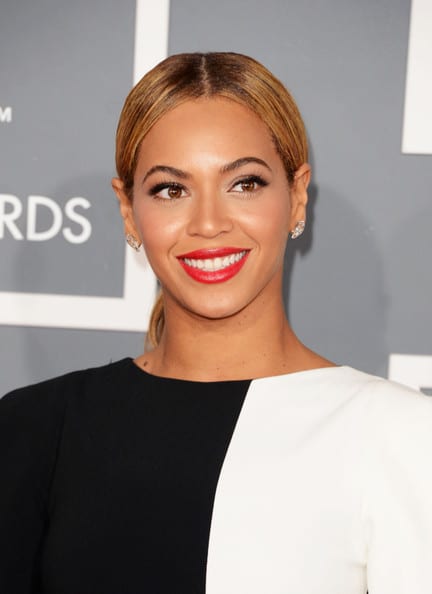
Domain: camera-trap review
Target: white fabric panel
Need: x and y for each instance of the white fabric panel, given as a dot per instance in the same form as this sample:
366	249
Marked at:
299	493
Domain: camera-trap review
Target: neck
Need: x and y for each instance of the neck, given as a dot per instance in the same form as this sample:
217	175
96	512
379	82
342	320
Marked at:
256	342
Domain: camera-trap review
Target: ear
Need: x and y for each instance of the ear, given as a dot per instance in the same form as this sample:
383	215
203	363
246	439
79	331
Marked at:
125	207
298	194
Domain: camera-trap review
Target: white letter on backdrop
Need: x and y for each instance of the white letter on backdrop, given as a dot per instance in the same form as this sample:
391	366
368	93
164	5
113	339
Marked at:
79	219
7	218
33	203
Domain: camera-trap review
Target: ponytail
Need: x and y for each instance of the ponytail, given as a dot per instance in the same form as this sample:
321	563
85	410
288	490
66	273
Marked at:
157	323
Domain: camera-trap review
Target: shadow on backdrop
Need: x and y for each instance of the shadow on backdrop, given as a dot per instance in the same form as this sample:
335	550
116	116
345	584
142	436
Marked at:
334	290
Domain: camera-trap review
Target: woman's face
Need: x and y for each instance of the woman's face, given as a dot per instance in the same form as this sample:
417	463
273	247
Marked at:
213	208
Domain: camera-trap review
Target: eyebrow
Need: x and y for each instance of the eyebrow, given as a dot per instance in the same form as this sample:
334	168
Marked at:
166	169
243	161
224	169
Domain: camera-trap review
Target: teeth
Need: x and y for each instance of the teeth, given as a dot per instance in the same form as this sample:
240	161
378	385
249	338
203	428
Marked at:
214	264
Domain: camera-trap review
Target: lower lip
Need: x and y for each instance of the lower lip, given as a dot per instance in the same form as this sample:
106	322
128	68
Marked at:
216	276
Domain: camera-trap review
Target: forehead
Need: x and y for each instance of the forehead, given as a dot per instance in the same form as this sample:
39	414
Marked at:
215	126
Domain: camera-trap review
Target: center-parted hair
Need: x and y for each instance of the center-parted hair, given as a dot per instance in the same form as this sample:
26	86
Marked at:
184	77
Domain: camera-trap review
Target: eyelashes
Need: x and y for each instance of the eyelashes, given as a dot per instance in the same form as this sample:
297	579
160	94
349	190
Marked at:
249	184
171	191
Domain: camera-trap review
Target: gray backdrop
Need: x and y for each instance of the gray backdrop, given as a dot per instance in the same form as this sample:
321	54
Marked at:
358	284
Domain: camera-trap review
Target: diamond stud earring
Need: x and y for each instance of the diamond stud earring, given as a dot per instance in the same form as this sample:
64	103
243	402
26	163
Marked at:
298	230
133	242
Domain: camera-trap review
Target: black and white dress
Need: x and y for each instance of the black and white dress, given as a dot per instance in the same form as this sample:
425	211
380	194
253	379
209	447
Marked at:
115	481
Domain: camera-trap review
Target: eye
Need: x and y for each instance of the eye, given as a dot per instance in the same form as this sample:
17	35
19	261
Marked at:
249	184
168	191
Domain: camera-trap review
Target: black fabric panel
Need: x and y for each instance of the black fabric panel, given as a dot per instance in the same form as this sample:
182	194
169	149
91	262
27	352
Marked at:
130	464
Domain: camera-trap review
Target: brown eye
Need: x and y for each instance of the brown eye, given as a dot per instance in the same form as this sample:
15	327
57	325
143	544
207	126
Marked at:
174	192
247	186
167	191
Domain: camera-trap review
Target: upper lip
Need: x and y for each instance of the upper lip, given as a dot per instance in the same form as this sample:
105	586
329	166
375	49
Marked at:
215	252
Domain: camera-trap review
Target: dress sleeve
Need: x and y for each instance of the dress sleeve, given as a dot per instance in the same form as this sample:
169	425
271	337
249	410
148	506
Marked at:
30	426
398	504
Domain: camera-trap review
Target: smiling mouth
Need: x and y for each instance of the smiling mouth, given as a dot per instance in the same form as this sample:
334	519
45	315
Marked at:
213	265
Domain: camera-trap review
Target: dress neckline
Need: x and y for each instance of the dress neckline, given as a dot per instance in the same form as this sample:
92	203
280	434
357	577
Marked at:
293	374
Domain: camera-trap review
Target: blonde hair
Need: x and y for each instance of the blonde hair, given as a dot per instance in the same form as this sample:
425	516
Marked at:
183	77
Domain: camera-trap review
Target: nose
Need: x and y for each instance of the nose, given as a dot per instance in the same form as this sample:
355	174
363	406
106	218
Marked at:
209	216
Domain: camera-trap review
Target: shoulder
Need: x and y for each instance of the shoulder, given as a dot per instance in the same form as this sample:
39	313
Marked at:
50	397
32	419
374	391
388	407
342	383
376	405
390	400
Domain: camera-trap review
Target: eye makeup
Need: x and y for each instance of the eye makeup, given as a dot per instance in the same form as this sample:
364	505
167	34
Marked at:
175	188
250	179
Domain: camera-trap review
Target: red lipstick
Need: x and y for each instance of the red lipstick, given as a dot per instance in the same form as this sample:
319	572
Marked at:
213	265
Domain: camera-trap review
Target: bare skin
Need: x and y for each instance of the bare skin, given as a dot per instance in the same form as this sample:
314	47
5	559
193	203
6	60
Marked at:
236	329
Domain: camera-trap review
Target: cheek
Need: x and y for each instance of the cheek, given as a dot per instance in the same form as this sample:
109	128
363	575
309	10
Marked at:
269	223
157	227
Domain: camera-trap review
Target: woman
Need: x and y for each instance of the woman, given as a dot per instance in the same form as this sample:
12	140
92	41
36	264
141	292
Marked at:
229	458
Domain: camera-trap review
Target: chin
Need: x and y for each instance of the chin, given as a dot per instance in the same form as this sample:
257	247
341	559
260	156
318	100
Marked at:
220	311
